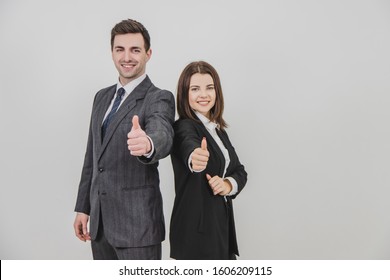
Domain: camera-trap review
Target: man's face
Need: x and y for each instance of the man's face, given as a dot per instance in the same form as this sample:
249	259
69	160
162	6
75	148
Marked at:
129	56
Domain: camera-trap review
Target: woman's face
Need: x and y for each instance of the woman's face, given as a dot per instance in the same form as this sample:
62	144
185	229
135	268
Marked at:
202	93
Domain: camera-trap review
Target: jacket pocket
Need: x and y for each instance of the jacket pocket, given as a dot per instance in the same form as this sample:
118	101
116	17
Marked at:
138	187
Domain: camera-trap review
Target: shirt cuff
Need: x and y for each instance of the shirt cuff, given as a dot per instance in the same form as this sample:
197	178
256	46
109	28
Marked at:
190	167
234	186
149	155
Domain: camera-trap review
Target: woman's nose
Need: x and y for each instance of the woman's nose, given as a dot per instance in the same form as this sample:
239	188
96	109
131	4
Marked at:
203	93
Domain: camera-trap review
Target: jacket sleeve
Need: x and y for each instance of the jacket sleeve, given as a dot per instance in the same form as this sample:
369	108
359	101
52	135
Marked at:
237	169
160	115
83	203
187	139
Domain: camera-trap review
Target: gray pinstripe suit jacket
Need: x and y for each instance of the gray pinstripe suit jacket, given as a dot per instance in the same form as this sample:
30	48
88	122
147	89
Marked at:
123	187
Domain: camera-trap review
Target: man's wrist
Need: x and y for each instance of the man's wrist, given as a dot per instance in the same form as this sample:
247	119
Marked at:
150	148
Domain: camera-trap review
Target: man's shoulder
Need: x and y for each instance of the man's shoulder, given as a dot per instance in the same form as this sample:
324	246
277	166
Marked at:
156	92
102	92
106	89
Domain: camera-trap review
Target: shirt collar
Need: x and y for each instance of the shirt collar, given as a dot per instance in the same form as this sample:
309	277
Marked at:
129	87
206	122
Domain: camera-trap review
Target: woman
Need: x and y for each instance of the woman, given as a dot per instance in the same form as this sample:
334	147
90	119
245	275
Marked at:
208	173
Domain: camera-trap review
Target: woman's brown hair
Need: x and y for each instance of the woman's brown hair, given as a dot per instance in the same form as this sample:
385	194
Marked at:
183	106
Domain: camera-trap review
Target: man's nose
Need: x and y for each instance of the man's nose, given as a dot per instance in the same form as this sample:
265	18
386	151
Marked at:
128	56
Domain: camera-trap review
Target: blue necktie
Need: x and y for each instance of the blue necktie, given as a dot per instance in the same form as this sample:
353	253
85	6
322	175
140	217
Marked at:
115	106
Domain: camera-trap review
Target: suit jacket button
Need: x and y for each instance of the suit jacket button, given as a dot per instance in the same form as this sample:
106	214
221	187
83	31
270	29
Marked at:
101	170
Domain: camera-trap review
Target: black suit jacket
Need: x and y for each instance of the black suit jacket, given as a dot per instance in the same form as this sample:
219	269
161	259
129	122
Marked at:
124	188
202	224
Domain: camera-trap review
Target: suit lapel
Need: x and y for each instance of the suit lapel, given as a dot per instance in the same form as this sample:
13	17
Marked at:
131	101
223	136
101	109
214	145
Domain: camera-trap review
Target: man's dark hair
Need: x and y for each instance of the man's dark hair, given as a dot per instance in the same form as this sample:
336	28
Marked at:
130	26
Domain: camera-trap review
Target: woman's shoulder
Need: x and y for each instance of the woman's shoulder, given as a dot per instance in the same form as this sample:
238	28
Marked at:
186	124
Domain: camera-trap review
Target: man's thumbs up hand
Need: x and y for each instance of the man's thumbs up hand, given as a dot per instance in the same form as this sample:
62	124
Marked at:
200	157
137	140
135	121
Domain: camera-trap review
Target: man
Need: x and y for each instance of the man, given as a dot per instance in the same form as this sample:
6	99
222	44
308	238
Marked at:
130	130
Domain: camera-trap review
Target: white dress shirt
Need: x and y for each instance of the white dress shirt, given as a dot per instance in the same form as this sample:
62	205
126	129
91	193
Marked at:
129	87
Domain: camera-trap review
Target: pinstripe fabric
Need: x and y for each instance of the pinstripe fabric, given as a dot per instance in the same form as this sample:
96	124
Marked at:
102	250
123	187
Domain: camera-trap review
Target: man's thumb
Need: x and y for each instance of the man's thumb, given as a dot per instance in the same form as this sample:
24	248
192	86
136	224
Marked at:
135	122
203	145
208	177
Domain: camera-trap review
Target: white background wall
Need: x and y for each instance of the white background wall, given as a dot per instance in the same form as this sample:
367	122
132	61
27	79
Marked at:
307	91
